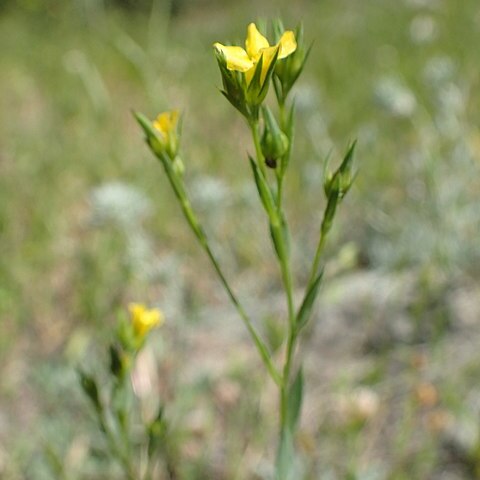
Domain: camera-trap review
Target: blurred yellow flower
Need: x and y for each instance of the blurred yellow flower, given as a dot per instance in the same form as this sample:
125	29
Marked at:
166	124
256	47
144	319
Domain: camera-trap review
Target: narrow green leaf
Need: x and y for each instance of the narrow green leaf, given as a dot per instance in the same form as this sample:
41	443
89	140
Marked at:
339	183
295	399
300	70
330	211
348	159
90	388
156	431
271	68
265	194
255	85
235	102
116	364
305	311
290	132
279	241
277	85
153	141
146	124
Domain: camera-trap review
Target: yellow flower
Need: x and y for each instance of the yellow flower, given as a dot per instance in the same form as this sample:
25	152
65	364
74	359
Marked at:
144	319
256	47
166	125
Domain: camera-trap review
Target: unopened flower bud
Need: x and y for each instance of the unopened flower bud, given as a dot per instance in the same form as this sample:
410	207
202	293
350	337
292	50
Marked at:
162	134
339	183
274	142
274	147
166	126
288	70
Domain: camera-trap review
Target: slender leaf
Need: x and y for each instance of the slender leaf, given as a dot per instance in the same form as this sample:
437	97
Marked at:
295	399
265	194
305	311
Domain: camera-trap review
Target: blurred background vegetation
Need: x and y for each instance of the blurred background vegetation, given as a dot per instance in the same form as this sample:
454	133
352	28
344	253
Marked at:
88	223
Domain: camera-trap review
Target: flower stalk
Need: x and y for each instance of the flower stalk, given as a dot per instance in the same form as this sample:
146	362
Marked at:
114	402
246	76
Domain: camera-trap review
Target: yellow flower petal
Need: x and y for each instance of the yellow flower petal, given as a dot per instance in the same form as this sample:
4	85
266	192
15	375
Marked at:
249	74
255	42
287	44
236	57
257	47
267	55
143	319
136	309
166	122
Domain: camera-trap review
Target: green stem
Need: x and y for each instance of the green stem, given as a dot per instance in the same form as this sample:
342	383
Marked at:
258	341
279	190
121	388
291	341
261	347
284	261
281	108
122	457
179	189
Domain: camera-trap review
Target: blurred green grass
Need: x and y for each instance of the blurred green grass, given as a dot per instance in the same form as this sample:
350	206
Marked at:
400	76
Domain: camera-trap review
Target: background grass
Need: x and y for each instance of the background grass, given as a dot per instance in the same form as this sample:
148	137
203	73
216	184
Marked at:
88	223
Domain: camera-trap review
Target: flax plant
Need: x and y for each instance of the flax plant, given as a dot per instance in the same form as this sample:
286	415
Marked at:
247	74
138	445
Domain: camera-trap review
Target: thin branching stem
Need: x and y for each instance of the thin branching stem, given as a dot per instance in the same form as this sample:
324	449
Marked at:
117	451
259	343
251	329
284	262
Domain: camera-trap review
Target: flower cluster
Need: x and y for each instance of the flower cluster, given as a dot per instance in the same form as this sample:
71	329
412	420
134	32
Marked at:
256	48
113	397
246	73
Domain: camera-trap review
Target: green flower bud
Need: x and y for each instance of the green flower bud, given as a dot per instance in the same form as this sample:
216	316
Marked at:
166	128
274	147
274	142
162	134
289	69
338	184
